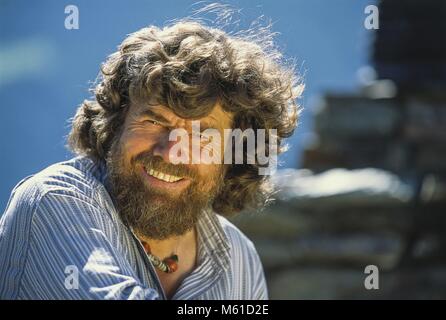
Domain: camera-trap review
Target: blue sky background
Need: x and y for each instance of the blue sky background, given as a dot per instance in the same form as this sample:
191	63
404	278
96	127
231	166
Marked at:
46	70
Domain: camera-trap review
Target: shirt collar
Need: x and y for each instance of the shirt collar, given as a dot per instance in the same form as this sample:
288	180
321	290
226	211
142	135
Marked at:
212	240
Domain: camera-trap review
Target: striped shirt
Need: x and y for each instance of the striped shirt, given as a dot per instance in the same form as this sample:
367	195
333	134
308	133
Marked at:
62	238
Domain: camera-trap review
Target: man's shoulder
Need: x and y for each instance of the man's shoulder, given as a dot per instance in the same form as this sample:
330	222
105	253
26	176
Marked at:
78	177
79	174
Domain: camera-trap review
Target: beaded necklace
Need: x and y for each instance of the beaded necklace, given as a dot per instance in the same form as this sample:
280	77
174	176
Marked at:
167	265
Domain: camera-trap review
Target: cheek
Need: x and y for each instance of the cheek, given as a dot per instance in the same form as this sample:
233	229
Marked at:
135	142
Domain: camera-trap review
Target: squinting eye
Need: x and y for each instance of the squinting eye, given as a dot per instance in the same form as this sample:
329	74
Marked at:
154	122
200	136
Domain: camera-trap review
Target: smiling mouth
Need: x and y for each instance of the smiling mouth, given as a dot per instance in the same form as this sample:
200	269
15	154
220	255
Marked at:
162	176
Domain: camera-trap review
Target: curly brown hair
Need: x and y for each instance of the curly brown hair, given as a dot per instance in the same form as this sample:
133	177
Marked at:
189	67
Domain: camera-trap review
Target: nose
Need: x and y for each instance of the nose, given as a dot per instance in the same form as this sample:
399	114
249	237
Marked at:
163	147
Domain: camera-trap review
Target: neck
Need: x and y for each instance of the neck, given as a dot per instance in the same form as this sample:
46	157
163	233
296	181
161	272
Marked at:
173	245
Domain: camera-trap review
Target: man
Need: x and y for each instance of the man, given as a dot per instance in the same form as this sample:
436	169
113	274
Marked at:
125	219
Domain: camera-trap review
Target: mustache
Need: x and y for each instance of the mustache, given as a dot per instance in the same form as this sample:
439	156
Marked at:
148	160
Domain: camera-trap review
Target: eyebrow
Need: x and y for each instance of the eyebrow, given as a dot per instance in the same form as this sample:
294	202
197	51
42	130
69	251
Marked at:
150	113
203	123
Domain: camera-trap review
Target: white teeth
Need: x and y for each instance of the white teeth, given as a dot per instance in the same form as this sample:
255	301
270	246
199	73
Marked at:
163	176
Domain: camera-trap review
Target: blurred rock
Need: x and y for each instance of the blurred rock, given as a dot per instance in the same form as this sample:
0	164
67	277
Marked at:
426	120
354	153
431	157
345	116
348	283
342	188
315	283
433	189
276	221
331	249
283	221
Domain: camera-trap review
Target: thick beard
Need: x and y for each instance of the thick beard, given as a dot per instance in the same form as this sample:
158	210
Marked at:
154	213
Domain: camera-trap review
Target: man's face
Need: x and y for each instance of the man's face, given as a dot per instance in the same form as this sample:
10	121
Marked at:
157	198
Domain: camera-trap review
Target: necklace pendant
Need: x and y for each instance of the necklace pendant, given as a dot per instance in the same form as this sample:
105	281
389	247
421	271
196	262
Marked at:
171	263
167	265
